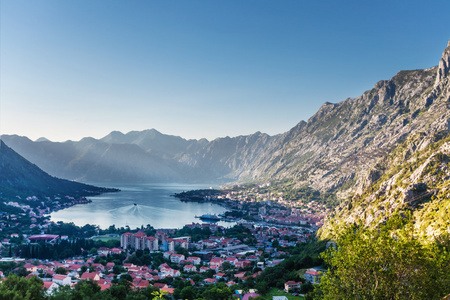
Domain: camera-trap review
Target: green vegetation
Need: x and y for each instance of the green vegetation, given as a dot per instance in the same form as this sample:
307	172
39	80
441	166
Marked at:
63	249
304	255
106	239
385	263
17	288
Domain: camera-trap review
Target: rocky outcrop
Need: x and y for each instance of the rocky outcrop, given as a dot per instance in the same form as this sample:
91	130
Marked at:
444	65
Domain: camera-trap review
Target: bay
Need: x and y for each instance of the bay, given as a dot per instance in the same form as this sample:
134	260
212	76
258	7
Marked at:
154	206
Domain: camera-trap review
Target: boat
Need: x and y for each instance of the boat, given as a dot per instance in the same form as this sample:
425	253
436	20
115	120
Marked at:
208	217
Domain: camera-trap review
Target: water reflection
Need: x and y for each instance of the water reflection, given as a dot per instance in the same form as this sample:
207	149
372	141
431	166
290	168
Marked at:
139	205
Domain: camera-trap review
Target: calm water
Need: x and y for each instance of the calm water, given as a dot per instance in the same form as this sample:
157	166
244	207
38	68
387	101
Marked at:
154	206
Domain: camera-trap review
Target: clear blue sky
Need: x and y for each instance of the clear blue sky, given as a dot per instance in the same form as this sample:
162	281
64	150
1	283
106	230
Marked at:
200	69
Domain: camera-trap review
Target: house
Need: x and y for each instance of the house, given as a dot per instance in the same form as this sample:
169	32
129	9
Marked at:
30	268
94	276
103	251
140	283
313	276
216	263
164	272
62	279
167	254
260	264
116	251
176	258
110	265
160	285
252	258
220	276
190	268
195	260
273	263
242	263
231	260
210	281
292	286
230	283
50	286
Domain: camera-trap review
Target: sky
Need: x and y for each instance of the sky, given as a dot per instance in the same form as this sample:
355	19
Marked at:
200	69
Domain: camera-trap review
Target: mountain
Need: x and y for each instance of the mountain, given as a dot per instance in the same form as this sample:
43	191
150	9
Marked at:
144	156
19	177
414	177
337	148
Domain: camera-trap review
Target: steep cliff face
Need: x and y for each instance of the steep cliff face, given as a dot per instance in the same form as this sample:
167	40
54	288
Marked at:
339	147
415	176
444	65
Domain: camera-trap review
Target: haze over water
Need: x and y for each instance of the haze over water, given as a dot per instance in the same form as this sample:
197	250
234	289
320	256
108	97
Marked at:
154	206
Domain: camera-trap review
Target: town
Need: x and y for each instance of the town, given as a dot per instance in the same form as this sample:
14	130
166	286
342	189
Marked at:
265	230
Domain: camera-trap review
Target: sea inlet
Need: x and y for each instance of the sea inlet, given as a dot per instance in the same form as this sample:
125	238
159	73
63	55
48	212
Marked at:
138	205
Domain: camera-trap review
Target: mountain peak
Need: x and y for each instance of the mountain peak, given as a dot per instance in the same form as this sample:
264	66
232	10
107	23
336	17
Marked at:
42	139
444	65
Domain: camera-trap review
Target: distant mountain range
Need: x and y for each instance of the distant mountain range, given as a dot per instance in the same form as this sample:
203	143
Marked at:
19	177
145	156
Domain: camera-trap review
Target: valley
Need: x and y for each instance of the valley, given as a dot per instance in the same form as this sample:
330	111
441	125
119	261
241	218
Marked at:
369	174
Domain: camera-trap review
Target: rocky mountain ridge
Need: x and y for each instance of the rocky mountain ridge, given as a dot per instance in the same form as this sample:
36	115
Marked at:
337	147
414	178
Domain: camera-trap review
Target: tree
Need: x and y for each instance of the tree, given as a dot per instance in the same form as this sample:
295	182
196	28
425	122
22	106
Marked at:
83	269
188	293
385	263
15	287
61	270
86	289
262	287
227	266
21	271
126	277
218	292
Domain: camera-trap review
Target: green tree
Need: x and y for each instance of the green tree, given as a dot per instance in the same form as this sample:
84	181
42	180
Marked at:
61	270
188	293
17	288
385	263
217	292
86	289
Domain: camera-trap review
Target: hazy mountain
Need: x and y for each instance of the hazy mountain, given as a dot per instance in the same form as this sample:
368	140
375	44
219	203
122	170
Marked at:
19	177
143	156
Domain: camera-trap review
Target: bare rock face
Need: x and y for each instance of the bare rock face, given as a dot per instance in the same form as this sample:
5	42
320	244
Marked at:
444	65
413	191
